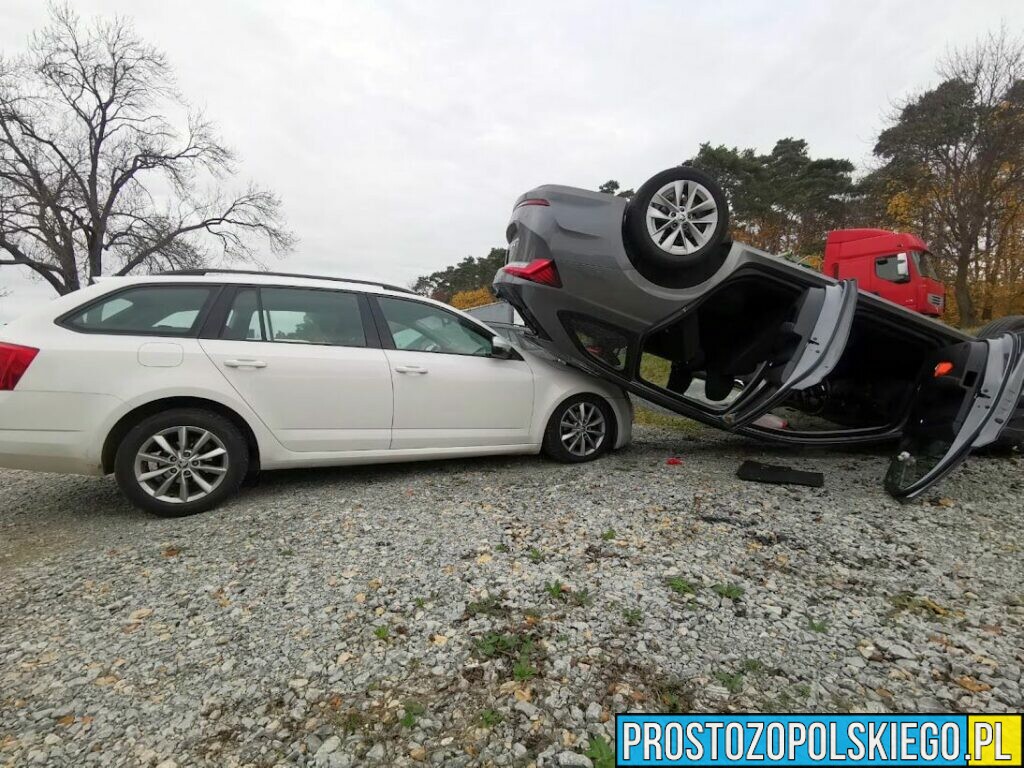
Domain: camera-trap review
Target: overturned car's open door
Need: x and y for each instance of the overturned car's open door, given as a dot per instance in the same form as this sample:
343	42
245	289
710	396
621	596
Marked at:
816	340
964	399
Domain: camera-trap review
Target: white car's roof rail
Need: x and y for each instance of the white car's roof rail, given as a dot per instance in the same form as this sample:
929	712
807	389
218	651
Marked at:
203	272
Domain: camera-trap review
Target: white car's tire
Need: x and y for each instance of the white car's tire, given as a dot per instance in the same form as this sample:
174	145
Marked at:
181	462
581	428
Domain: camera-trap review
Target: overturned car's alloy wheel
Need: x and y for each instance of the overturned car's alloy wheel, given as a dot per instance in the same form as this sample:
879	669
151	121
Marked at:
677	219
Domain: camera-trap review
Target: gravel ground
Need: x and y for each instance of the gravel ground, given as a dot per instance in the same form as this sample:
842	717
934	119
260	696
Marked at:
496	611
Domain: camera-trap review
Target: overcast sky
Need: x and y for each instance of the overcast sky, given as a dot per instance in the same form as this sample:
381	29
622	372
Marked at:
399	133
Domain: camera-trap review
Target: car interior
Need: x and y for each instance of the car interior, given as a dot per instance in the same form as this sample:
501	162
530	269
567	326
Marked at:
743	334
297	316
740	332
873	382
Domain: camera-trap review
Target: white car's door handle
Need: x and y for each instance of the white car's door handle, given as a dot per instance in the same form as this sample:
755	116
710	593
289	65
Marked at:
245	364
410	369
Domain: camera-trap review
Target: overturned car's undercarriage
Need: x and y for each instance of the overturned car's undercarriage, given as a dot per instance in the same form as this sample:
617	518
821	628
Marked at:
651	294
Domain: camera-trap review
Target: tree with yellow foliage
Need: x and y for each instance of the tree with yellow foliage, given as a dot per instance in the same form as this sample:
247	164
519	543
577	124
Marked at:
474	298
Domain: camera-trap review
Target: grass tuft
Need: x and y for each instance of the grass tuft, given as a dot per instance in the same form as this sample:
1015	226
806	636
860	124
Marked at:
731	681
555	589
520	649
633	616
600	752
413	711
729	591
490	718
680	586
754	666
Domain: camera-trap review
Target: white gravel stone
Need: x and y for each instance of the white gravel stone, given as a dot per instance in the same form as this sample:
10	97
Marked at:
260	640
574	760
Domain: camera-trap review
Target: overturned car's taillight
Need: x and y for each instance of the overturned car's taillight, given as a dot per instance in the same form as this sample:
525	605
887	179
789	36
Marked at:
541	271
14	361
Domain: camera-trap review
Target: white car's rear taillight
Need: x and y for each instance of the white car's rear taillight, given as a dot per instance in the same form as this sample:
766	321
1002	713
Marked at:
14	361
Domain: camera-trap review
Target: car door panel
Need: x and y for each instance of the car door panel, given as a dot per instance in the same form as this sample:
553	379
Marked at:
449	392
1008	401
823	327
449	401
312	398
965	404
308	363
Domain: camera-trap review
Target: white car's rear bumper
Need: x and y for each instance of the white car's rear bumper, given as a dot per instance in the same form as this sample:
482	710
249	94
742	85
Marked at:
53	431
45	451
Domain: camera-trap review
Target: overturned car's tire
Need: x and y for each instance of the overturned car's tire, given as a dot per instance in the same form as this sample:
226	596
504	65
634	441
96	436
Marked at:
677	219
998	327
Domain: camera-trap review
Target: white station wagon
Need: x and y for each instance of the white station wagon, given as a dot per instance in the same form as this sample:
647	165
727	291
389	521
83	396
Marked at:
183	384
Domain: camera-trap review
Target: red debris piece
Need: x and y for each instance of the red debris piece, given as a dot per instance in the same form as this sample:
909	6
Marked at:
674	461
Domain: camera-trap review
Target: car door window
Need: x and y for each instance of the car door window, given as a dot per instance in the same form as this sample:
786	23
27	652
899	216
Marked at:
419	327
296	316
152	310
605	344
887	268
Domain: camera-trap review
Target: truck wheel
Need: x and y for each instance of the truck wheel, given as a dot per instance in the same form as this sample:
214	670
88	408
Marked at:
677	219
998	327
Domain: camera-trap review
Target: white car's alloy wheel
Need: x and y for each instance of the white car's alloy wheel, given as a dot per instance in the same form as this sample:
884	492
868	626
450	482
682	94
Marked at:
181	464
583	429
682	217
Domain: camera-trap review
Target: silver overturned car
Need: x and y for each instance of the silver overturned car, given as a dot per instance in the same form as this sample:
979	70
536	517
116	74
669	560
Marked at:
652	295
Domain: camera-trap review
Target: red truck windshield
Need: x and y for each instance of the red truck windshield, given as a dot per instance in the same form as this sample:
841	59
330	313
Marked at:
925	264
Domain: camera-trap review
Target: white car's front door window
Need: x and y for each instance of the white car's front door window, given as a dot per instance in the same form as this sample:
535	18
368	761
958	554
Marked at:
420	327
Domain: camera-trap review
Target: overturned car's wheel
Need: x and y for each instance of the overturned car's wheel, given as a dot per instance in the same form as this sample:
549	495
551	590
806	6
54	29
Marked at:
677	219
997	328
580	429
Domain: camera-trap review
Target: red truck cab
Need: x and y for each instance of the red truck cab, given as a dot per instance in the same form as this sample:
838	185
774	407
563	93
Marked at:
894	265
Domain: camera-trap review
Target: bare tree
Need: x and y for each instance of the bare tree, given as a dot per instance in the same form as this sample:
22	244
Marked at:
105	169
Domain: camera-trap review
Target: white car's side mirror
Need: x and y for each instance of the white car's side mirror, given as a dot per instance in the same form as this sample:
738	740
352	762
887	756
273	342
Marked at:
501	349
